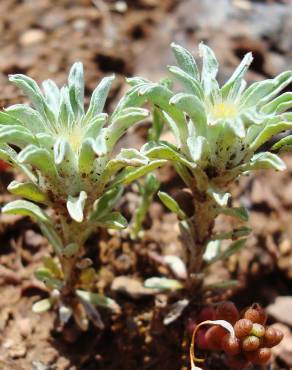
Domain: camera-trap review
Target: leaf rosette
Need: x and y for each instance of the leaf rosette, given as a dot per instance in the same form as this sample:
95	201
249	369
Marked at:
67	151
219	129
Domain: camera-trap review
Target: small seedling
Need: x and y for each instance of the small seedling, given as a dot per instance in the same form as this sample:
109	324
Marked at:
67	156
220	133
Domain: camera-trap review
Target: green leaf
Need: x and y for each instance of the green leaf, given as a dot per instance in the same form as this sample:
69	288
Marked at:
199	148
191	85
130	174
160	96
127	157
93	128
171	204
266	160
174	128
264	91
132	157
212	250
27	190
185	60
155	131
61	148
193	107
238	212
163	151
42	305
39	158
64	158
210	67
283	144
135	81
147	190
279	83
70	250
113	220
279	105
238	74
46	276
31	89
106	203
126	118
231	249
52	96
222	285
237	126
176	265
132	98
66	114
100	144
87	155
99	300
25	208
98	98
151	184
28	117
8	155
43	273
75	206
234	234
162	284
221	198
53	266
53	238
6	119
46	141
76	89
271	129
16	135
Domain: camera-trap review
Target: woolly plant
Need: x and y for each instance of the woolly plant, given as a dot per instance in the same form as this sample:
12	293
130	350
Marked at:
66	155
220	132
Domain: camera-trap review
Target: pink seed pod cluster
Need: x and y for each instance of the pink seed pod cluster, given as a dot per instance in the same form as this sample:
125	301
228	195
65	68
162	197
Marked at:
253	339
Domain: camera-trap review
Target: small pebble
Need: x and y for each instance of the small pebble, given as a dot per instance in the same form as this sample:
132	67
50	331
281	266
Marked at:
33	36
120	6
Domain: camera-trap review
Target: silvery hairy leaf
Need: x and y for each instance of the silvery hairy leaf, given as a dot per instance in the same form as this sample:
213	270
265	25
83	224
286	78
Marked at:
223	127
185	60
25	208
283	144
266	161
106	203
27	190
65	150
75	206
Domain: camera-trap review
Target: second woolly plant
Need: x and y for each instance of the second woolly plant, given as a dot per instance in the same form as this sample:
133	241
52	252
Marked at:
220	132
66	155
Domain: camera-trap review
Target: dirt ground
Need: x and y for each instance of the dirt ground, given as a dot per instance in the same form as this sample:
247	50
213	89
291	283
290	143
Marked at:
42	38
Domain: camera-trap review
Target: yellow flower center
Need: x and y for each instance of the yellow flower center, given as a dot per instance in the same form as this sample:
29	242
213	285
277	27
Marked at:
73	135
224	110
75	138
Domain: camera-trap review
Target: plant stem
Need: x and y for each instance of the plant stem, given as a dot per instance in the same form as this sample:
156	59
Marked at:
201	226
71	233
